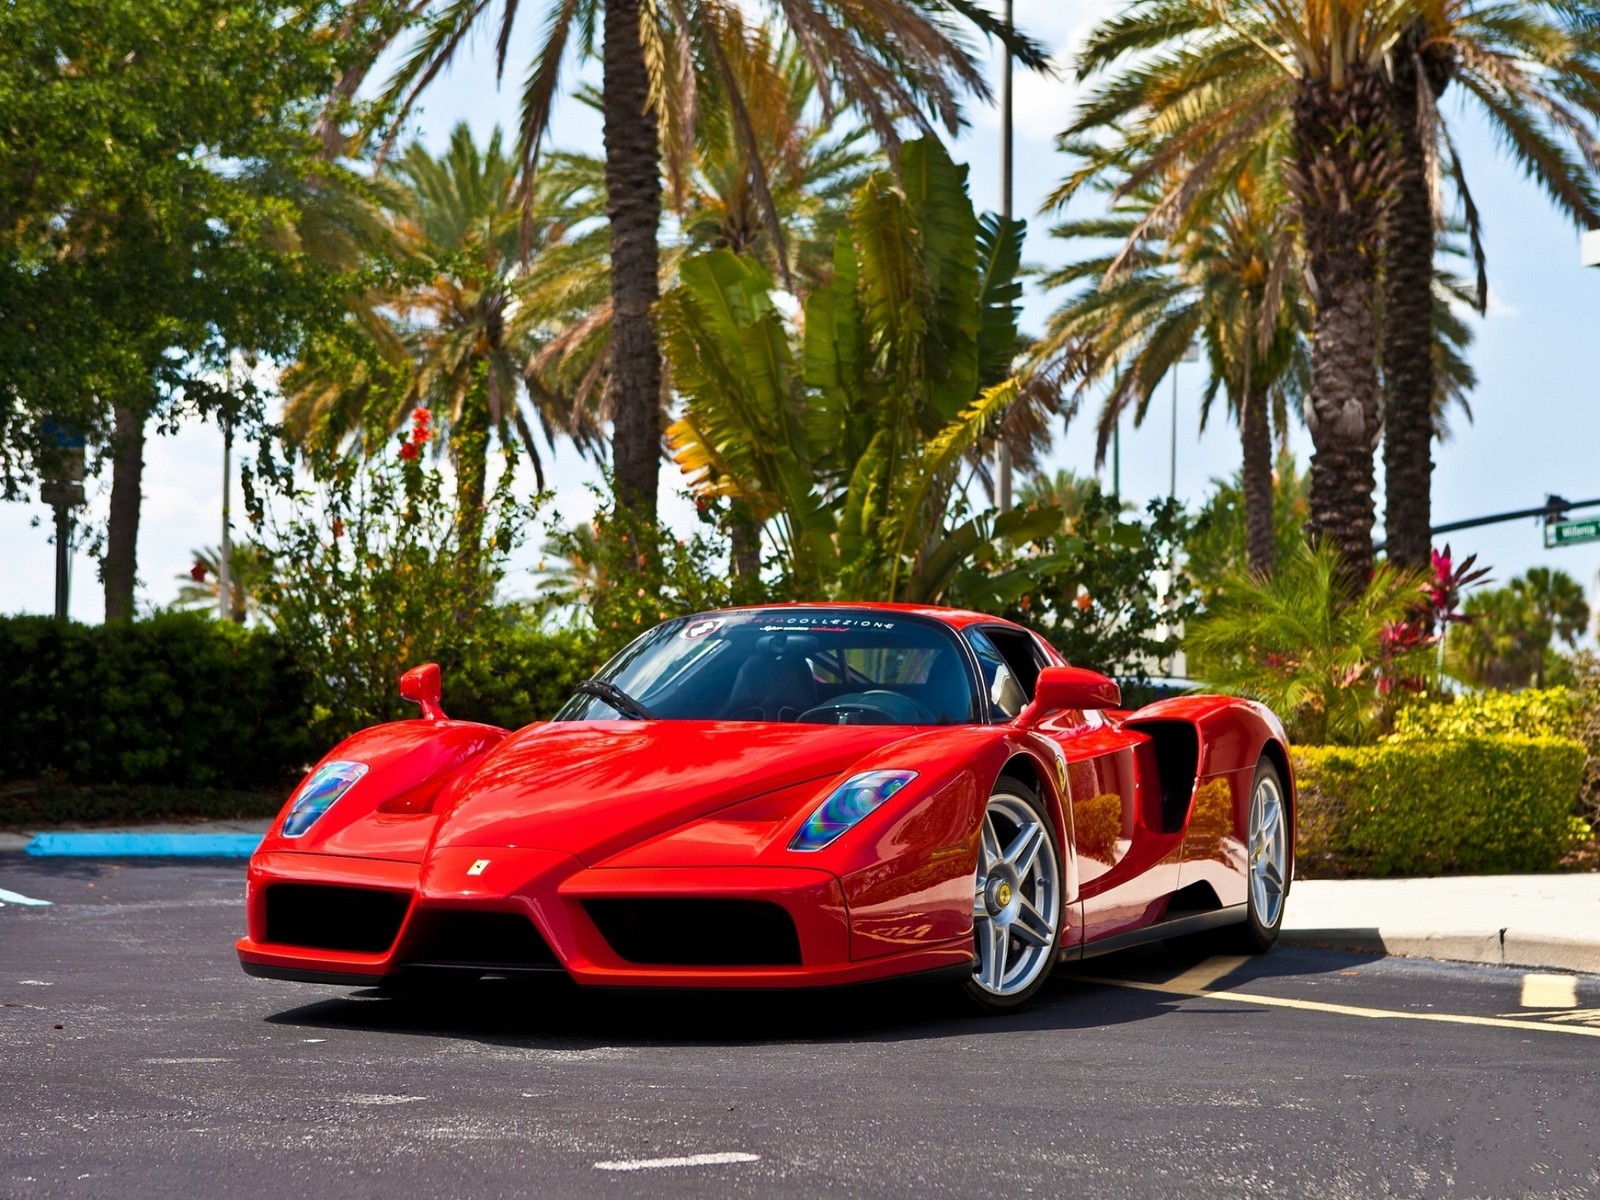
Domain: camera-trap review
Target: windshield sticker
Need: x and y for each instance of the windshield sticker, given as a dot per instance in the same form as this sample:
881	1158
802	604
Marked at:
695	630
823	624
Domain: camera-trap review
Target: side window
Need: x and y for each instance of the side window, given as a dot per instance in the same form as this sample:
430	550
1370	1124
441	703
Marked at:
1000	682
1021	655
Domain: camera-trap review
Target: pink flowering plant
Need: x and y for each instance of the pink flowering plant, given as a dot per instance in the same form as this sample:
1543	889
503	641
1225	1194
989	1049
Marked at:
371	572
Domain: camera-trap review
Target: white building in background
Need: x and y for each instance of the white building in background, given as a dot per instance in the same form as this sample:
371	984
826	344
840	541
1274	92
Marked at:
1589	248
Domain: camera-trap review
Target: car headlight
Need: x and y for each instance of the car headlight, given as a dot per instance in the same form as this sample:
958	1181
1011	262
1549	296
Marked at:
848	804
317	794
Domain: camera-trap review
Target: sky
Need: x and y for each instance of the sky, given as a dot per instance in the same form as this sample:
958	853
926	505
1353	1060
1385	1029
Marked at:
1536	410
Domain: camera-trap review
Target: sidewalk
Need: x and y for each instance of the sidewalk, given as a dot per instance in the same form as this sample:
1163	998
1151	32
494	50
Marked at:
1519	920
1550	921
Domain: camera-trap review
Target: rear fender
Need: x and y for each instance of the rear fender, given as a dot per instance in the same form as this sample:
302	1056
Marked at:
1233	735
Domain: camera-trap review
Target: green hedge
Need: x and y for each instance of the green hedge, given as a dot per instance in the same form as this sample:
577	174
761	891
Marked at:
182	715
1491	805
178	700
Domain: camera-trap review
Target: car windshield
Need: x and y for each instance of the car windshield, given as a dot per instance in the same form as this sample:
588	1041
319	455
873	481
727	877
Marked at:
832	666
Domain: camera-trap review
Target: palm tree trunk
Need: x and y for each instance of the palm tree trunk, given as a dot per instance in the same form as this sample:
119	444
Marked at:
469	446
1342	178
633	204
744	542
1255	434
119	566
1408	331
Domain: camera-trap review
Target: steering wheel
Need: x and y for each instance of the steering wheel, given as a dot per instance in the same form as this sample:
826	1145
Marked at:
891	708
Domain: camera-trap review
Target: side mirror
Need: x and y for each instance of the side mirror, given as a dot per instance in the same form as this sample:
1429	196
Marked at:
421	686
1070	687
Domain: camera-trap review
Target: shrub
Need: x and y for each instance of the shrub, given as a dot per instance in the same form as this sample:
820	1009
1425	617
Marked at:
513	673
1318	650
375	571
1552	712
1478	804
1586	669
178	700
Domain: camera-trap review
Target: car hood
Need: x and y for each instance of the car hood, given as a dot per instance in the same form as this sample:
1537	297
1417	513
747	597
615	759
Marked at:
593	788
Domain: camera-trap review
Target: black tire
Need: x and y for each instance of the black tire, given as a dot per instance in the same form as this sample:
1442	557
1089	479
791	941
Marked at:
1023	897
1258	932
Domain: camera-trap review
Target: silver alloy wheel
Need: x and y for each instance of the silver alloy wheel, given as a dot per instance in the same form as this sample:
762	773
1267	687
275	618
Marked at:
1016	906
1269	850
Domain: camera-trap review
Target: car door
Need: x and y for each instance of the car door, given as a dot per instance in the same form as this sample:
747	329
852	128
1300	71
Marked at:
1127	861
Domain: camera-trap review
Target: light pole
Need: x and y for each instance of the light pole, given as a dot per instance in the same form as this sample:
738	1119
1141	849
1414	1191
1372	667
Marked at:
225	550
1190	354
1002	454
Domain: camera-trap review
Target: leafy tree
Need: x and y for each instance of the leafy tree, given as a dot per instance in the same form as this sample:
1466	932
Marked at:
891	62
1094	581
365	576
139	218
1312	644
1506	640
847	445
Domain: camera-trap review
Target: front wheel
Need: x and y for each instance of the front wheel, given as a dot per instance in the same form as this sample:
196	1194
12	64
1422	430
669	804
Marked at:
1017	899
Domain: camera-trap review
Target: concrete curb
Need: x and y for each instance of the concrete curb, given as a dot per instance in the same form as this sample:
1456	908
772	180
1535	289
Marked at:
1501	947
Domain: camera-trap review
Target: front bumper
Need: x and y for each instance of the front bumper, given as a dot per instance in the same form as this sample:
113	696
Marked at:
553	891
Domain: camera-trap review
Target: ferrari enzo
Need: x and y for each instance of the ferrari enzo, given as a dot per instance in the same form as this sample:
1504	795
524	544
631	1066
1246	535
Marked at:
785	796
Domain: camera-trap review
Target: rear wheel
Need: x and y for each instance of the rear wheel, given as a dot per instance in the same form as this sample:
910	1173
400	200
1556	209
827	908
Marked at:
1268	866
1017	899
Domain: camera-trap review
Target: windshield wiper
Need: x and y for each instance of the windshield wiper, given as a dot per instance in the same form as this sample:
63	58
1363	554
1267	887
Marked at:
616	698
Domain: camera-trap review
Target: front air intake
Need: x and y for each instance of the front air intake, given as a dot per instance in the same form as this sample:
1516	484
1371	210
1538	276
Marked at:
698	933
450	937
319	917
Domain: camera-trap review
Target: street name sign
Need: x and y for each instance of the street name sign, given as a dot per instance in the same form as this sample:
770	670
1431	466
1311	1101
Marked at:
1570	533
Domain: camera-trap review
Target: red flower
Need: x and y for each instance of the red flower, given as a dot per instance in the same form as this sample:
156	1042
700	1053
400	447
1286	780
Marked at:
198	572
420	417
1084	601
409	451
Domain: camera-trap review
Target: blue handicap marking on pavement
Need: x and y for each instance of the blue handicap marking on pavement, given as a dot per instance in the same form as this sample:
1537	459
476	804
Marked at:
144	845
18	898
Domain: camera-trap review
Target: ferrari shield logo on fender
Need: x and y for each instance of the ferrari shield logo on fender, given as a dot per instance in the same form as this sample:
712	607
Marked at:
478	867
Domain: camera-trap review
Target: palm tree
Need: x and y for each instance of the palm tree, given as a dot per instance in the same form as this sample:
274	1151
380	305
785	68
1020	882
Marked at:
1213	81
1226	278
811	166
1506	639
1531	69
892	60
1216	81
460	324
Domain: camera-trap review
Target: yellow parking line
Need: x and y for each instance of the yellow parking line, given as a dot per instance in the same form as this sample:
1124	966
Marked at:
1534	1021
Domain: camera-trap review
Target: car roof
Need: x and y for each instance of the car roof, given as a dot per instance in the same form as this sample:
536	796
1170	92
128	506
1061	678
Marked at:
956	618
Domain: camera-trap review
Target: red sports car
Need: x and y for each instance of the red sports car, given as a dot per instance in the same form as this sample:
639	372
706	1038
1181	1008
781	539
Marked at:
785	796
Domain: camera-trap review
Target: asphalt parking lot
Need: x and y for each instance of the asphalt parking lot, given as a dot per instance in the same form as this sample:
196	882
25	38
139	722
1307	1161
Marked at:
137	1060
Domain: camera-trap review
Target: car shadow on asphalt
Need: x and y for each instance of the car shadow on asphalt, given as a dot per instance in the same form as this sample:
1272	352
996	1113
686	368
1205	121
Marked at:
554	1013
